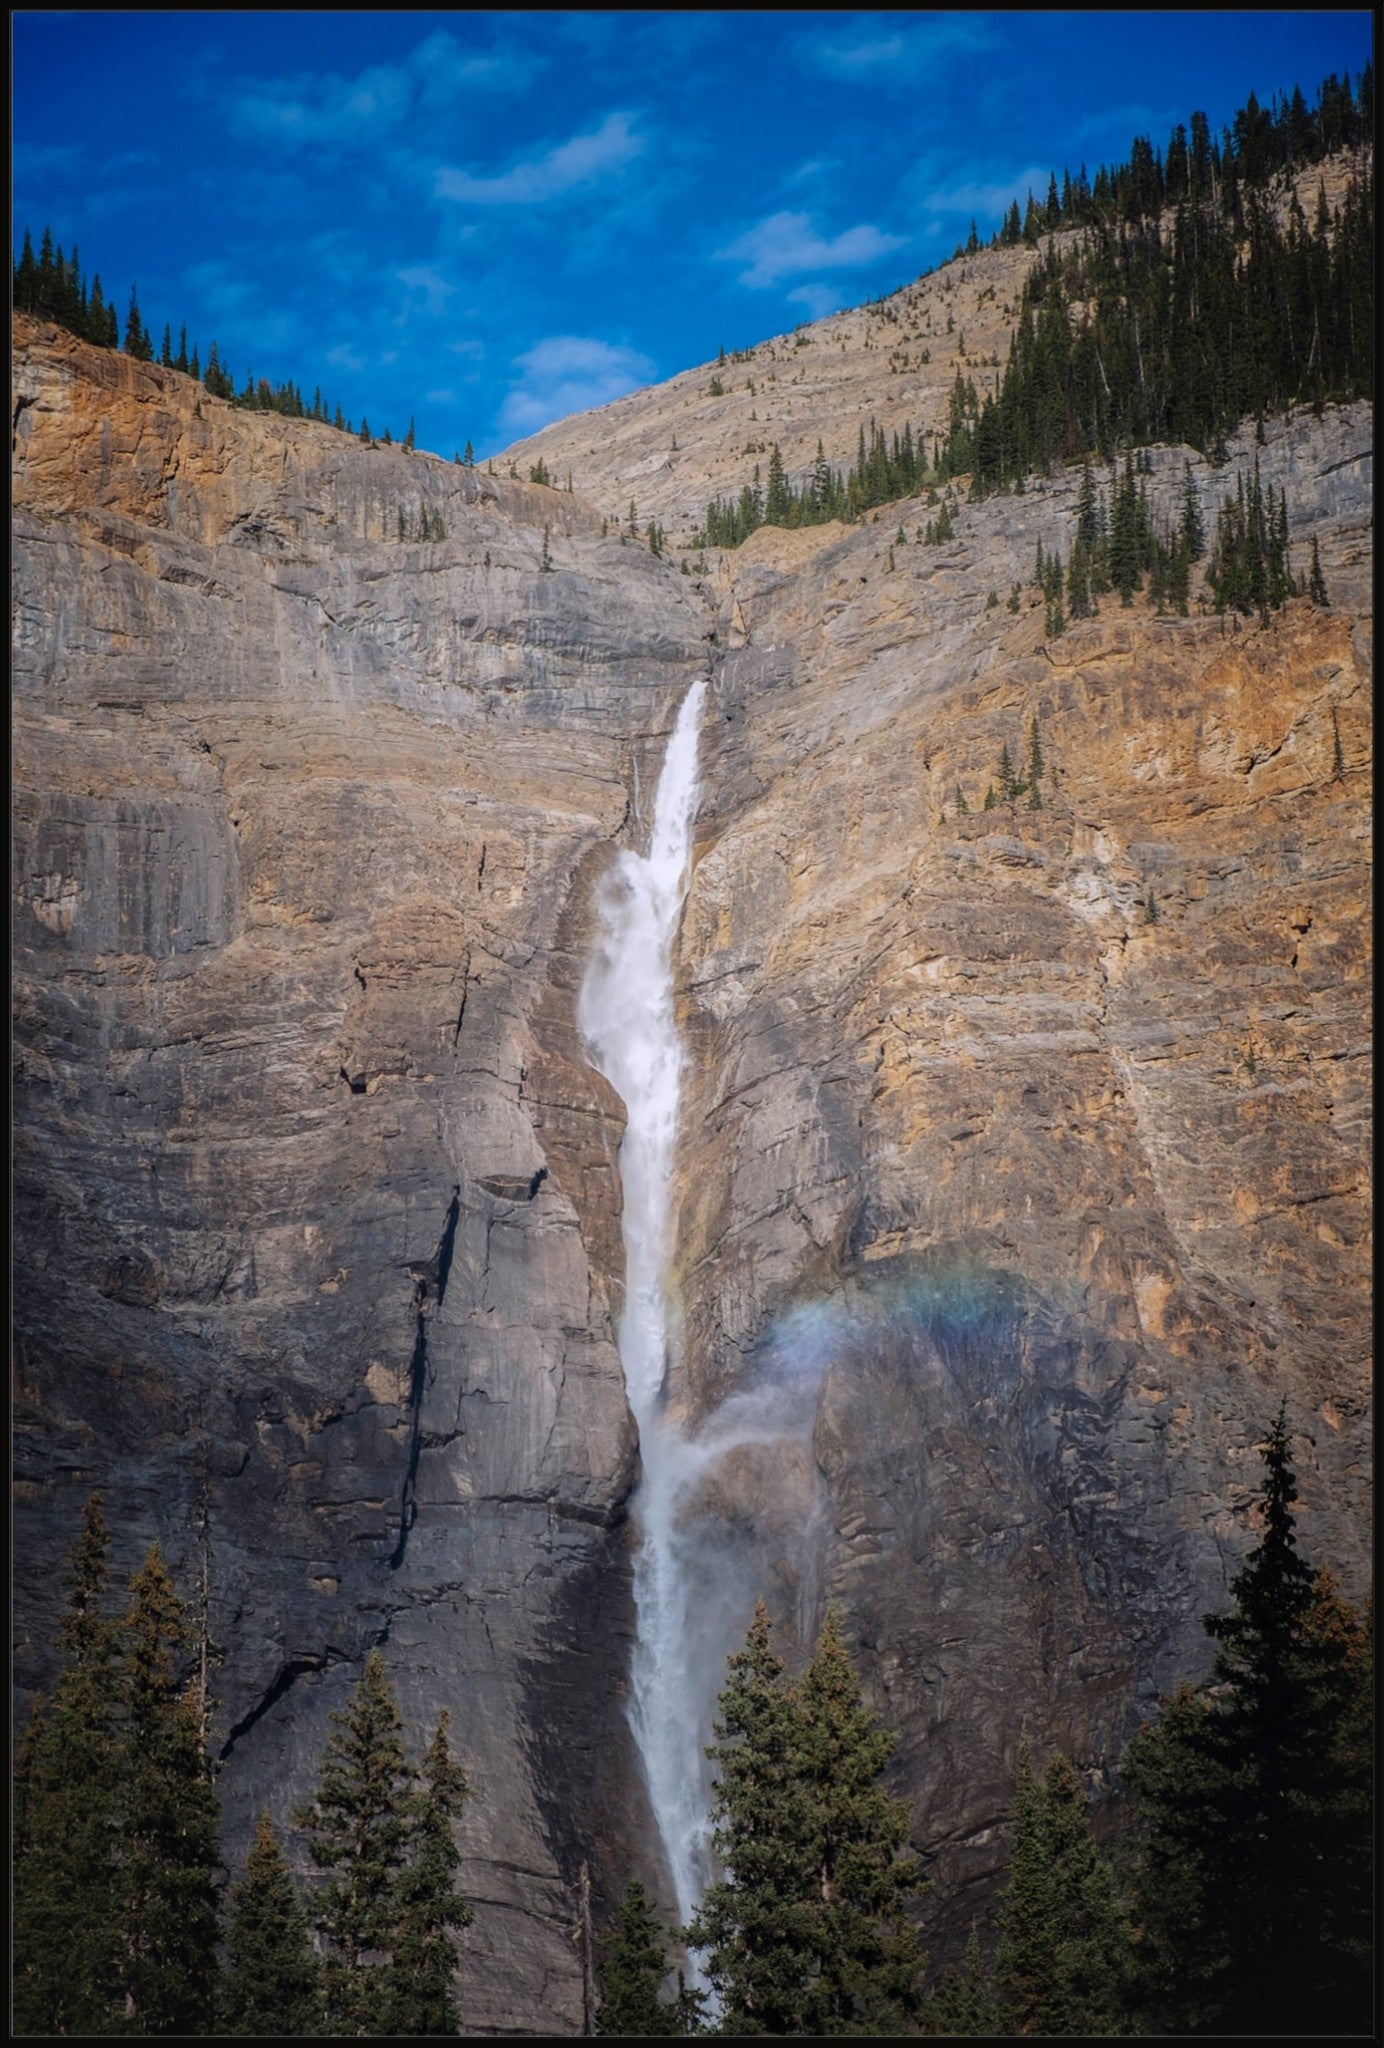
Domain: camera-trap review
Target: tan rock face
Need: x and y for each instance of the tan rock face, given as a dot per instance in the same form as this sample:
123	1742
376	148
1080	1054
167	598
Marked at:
1069	1193
1039	1200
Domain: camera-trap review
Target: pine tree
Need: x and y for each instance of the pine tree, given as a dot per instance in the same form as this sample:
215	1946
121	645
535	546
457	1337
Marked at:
755	1921
1254	1882
357	1825
168	1856
778	502
633	1967
409	438
26	278
1062	1947
1005	774
134	330
1316	582
964	2002
421	1998
807	1929
66	1920
869	1960
271	1984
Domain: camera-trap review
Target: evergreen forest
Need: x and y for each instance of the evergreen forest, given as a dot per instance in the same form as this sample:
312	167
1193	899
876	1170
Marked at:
1238	1896
1186	295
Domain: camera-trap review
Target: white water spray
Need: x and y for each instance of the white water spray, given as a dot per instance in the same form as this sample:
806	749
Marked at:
694	1582
626	1016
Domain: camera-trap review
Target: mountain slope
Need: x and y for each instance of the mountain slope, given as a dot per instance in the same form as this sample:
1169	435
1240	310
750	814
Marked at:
1047	1199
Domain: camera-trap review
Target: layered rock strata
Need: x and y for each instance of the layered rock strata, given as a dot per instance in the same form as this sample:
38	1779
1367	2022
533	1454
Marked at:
1032	1143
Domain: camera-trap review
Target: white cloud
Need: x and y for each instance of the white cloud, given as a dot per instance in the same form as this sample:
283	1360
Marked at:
567	373
446	69
294	112
877	50
557	170
324	107
431	284
819	299
988	198
786	244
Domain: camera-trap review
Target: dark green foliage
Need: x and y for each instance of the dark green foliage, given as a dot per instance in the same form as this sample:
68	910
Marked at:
755	1921
1185	328
1248	569
167	1851
633	1966
964	2002
469	457
271	1983
807	1929
66	1911
357	1826
115	1843
1316	582
420	1998
1338	759
1253	1892
1063	1942
886	468
51	287
136	341
1036	765
869	1959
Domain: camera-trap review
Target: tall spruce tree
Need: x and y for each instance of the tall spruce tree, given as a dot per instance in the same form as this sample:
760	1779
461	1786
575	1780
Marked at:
168	1856
868	1962
271	1983
66	1823
807	1930
357	1826
633	1964
429	1909
964	2002
1253	1888
1062	1958
755	1921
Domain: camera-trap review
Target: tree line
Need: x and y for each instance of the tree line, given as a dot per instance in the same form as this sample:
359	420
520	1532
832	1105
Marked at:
1241	1903
1175	331
1143	329
1261	143
51	286
121	1921
1118	546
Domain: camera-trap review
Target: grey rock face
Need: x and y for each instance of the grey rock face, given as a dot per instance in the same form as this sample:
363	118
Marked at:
1040	1203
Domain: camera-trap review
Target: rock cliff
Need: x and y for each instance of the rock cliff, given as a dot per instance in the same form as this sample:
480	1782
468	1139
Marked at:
1033	1143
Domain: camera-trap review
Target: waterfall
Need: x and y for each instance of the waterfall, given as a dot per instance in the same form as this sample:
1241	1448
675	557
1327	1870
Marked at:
626	1015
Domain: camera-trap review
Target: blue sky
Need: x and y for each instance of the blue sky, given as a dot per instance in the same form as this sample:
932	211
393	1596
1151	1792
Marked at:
488	221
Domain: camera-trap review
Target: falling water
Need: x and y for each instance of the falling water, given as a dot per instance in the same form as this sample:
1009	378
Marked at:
626	1015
